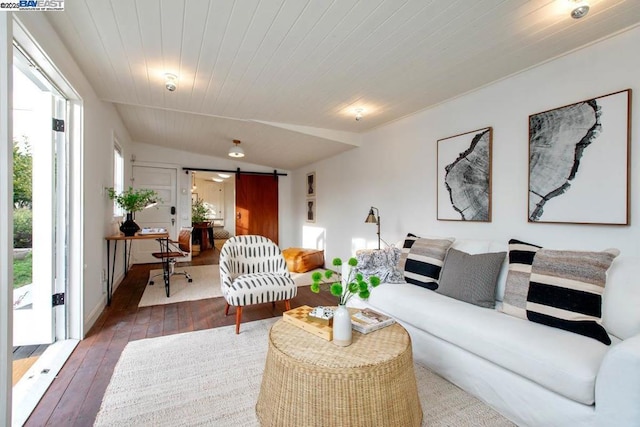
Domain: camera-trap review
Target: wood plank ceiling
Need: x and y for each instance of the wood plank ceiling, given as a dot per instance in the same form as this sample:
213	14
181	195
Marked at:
286	76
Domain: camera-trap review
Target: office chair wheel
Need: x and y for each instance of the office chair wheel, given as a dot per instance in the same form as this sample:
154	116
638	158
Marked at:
190	280
151	282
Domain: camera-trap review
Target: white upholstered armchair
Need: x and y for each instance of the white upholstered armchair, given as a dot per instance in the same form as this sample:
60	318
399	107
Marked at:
253	271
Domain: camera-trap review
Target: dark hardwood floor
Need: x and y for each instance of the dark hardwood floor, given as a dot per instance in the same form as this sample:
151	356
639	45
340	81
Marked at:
74	397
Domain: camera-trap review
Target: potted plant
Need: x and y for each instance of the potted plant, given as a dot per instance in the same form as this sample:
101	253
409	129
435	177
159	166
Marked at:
199	212
131	201
355	284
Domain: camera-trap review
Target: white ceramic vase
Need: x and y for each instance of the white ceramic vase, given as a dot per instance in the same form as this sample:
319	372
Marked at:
342	326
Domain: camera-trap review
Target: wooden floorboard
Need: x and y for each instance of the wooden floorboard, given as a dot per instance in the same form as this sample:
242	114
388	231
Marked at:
74	397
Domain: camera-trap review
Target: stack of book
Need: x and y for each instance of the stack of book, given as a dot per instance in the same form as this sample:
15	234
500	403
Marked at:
367	320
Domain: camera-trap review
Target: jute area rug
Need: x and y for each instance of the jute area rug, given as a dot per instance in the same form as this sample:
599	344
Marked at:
213	377
206	284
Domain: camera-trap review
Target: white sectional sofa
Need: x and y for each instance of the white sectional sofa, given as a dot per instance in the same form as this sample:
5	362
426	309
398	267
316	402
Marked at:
533	374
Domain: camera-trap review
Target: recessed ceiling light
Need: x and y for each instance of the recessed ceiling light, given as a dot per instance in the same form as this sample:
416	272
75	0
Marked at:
224	175
218	179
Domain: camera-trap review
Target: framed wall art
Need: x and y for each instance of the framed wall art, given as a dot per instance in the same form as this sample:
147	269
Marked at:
311	184
464	176
579	162
311	210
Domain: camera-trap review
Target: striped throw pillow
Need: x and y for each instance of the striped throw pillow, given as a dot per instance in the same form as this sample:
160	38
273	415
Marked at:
422	259
521	256
565	290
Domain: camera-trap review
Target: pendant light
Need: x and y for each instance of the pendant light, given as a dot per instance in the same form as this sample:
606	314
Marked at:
236	150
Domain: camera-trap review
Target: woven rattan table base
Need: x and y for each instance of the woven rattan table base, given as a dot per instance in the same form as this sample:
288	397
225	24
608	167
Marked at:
312	382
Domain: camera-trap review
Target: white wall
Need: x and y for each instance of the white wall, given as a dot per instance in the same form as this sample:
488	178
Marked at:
148	153
395	168
212	193
99	121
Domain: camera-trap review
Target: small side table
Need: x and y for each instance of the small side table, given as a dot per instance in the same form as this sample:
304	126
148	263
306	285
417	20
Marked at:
312	382
205	235
128	240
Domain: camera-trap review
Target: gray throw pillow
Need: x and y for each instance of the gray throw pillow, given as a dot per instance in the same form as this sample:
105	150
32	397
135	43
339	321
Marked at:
471	278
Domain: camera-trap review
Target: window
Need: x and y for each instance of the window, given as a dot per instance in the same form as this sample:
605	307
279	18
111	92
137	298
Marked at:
118	175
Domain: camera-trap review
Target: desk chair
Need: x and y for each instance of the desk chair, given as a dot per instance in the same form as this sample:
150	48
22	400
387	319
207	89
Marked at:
169	251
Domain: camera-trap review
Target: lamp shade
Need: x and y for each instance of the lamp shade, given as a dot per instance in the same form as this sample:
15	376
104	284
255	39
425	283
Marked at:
236	150
371	218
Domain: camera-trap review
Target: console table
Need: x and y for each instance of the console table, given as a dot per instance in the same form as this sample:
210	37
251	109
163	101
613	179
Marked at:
310	381
128	240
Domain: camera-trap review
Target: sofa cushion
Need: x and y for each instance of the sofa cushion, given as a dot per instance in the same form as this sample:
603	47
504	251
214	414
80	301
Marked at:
471	278
521	256
565	290
382	263
258	288
422	259
558	360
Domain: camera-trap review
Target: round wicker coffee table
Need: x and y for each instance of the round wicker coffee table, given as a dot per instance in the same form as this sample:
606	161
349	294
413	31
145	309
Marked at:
312	382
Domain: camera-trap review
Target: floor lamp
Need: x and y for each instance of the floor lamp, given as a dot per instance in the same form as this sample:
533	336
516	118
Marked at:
374	219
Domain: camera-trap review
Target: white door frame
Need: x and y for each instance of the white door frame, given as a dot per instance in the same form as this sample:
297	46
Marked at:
73	308
6	216
12	28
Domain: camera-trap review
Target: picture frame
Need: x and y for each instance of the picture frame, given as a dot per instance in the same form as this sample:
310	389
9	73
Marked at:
579	162
311	210
311	184
464	176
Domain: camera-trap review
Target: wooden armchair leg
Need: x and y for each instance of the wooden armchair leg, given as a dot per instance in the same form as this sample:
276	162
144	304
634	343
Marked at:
287	305
226	310
238	318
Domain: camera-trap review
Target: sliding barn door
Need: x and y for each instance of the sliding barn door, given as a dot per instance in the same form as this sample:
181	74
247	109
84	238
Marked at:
257	205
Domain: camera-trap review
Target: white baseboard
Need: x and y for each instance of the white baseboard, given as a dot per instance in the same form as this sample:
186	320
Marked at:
99	308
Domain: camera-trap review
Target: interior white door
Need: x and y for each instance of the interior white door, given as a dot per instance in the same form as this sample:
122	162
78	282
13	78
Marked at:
164	181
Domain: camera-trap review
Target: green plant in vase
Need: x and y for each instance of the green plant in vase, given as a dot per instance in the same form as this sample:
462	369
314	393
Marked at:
355	284
199	212
131	201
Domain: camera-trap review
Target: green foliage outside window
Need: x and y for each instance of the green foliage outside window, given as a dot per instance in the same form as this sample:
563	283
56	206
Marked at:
22	174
